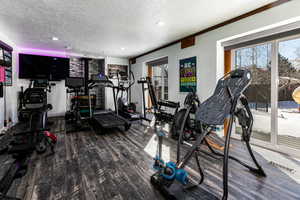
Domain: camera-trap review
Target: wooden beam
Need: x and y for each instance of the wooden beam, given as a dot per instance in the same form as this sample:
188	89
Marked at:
227	61
227	68
188	42
214	27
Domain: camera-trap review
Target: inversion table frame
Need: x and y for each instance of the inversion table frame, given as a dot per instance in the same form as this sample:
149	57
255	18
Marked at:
227	102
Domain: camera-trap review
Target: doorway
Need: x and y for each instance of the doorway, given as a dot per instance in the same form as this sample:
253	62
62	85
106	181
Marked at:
158	72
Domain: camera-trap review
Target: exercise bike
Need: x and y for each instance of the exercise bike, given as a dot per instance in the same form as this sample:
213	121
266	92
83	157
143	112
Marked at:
172	179
191	103
80	108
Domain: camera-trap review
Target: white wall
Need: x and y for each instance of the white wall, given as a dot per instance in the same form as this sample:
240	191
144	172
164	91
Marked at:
210	55
109	101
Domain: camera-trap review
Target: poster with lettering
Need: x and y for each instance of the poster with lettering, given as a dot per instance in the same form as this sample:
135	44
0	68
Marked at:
188	74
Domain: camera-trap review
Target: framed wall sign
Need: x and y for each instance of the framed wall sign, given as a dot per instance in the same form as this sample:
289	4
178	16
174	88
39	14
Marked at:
188	74
113	69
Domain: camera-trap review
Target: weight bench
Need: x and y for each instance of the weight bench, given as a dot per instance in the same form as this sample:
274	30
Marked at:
160	114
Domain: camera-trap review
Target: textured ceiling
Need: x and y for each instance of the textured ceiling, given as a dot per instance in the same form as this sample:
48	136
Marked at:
104	27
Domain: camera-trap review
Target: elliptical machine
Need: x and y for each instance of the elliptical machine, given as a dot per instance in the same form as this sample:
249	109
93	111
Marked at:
125	109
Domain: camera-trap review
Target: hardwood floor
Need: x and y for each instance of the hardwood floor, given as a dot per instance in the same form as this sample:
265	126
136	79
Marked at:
89	166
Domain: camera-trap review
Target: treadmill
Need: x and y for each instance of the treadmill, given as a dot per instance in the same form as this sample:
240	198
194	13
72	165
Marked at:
106	119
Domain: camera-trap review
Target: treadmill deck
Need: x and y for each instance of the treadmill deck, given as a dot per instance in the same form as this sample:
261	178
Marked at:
109	120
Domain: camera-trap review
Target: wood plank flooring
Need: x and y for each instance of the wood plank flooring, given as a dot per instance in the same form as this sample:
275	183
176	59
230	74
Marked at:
89	166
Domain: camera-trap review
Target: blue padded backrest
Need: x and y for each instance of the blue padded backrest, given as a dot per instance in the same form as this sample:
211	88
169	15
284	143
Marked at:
216	108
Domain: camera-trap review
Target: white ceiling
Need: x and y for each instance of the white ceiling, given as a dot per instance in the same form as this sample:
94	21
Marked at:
103	27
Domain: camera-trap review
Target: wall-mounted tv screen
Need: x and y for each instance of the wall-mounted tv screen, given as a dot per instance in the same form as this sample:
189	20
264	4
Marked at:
43	67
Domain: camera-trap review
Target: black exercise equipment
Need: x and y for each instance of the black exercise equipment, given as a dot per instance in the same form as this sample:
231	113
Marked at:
143	81
106	119
33	98
21	152
34	108
125	109
38	137
16	170
161	107
74	117
22	145
227	102
191	103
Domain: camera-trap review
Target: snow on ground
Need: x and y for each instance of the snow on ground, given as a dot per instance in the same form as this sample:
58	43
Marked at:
288	122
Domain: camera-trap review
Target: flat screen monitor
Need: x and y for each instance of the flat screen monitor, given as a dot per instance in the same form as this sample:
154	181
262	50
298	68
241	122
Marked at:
73	82
43	67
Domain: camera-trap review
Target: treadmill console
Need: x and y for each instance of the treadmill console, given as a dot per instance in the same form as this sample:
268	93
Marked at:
40	83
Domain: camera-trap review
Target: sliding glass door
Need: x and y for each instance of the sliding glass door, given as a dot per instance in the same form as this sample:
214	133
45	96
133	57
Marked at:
258	60
288	86
160	81
274	93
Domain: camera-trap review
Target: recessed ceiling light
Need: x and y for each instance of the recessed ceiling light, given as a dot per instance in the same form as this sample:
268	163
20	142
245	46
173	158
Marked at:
160	23
54	38
122	48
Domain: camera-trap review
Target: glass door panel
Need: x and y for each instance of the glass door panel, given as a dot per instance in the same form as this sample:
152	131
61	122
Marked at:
288	126
160	81
258	60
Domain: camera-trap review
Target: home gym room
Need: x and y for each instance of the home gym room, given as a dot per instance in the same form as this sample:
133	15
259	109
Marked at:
152	99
